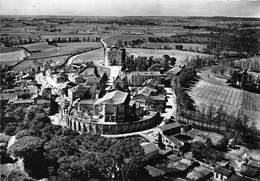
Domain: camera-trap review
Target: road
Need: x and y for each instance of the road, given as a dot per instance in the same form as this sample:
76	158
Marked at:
171	106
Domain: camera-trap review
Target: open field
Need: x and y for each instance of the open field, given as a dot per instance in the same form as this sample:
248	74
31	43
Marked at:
96	55
57	55
40	46
66	49
231	98
12	55
9	49
181	56
186	46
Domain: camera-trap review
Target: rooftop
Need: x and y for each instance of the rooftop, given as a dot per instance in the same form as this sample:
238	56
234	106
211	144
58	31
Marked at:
88	72
254	164
145	73
169	126
154	172
115	97
174	140
149	147
87	101
152	82
23	101
238	178
223	171
175	70
146	91
249	172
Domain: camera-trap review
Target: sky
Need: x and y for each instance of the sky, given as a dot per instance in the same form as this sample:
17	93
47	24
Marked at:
236	8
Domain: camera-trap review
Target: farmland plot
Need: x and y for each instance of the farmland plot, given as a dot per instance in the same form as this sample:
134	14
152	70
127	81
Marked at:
10	56
231	98
41	46
95	56
58	55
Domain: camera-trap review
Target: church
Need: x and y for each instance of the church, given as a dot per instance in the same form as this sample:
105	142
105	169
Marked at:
114	56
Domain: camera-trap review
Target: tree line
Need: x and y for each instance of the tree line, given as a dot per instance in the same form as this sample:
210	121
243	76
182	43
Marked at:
73	39
244	80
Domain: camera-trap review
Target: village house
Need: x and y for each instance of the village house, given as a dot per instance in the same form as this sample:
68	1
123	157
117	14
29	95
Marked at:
222	173
250	172
150	150
170	136
112	106
78	91
152	83
138	78
86	105
120	82
88	72
93	80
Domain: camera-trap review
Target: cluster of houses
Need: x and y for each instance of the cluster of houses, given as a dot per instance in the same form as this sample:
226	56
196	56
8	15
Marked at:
173	143
24	92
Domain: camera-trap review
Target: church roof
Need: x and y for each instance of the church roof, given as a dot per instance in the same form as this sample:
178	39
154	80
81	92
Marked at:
116	97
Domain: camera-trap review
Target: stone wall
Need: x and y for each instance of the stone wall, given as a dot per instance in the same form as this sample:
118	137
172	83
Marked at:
83	125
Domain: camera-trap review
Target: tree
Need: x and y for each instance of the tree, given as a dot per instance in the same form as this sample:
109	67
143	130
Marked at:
96	71
104	78
31	149
128	155
222	70
215	70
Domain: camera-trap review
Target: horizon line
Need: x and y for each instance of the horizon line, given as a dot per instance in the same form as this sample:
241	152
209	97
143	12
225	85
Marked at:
208	16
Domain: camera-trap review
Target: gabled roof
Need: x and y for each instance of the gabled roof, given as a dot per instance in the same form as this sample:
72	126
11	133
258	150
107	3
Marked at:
146	91
146	73
249	172
174	140
157	98
170	126
149	147
92	79
152	82
175	70
118	78
254	164
223	171
115	97
88	72
154	172
87	101
238	178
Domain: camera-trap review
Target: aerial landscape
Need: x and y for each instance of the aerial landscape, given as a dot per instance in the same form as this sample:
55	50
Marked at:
130	90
